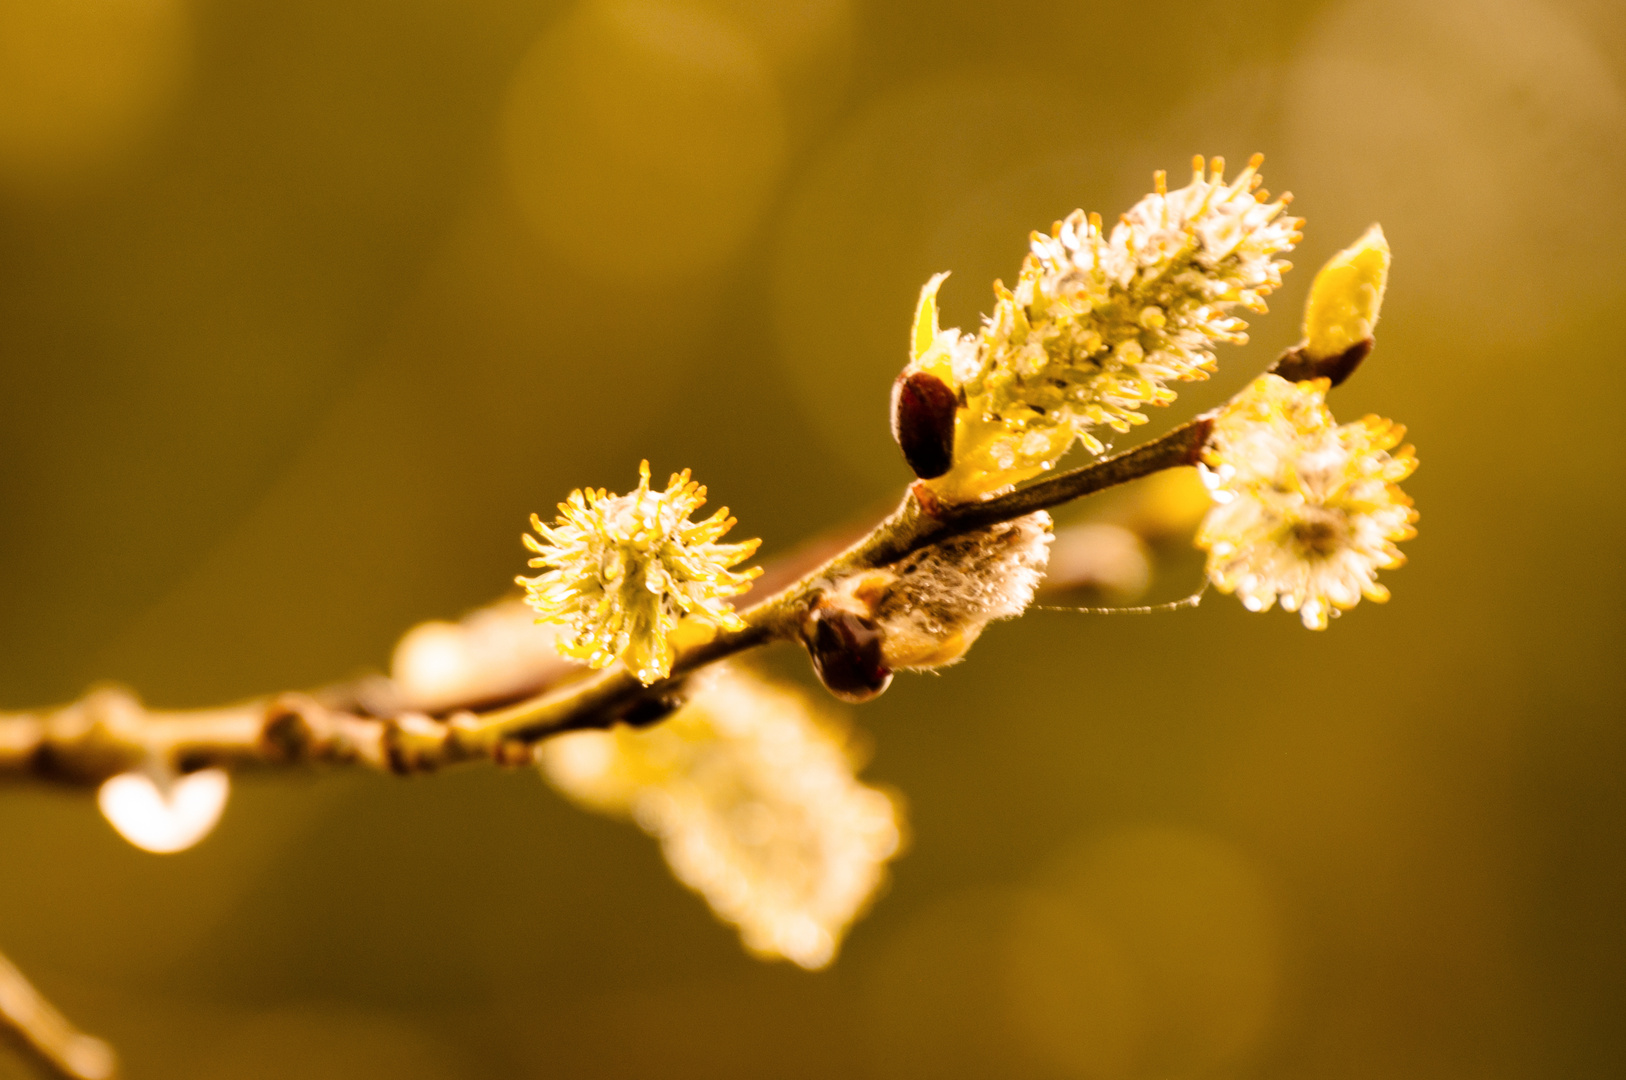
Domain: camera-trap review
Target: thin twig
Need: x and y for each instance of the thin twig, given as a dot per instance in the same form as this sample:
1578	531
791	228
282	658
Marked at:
49	1040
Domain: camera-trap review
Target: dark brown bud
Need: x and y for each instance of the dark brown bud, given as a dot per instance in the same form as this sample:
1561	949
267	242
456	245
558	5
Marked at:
651	710
1296	366
923	408
846	651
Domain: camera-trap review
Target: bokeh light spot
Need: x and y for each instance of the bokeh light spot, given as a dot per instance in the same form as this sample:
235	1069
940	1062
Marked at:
82	80
1147	953
934	999
164	820
1075	997
1153	954
1468	129
326	1041
642	140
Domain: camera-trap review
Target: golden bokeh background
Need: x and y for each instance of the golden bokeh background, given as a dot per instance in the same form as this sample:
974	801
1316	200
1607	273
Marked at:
305	307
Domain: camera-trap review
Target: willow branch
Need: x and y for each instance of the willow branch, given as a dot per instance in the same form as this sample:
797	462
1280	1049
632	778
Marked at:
42	1033
918	522
109	732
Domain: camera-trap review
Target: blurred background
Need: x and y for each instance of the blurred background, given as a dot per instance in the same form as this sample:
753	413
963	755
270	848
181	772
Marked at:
306	305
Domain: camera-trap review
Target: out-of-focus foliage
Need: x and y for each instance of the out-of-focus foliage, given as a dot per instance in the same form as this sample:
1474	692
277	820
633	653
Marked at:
753	798
304	307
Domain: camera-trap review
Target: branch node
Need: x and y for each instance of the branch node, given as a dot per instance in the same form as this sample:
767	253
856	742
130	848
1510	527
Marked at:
513	753
288	734
91	739
414	743
1201	428
926	500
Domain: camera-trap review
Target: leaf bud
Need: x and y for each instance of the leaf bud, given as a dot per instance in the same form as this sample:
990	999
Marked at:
923	412
1346	297
933	604
926	398
927	609
845	647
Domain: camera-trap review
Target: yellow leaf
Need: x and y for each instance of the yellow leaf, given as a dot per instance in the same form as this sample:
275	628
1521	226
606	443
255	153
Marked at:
925	335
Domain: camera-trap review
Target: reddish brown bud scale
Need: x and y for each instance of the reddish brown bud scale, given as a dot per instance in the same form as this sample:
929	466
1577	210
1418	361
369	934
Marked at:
1295	366
923	408
846	651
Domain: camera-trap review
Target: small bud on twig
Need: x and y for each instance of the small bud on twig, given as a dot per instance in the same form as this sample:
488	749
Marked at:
926	395
923	408
845	647
1346	297
1297	365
